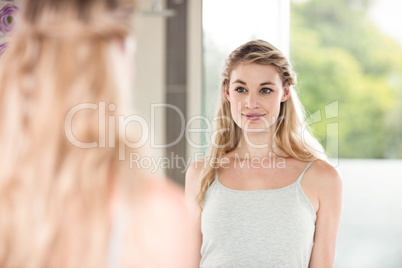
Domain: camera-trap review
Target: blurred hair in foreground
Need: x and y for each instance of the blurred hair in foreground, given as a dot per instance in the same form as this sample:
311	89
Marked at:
61	205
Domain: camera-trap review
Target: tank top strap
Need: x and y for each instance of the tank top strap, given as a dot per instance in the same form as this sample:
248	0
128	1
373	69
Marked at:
304	171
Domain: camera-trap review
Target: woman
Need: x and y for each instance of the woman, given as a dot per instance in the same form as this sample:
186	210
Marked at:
265	194
66	200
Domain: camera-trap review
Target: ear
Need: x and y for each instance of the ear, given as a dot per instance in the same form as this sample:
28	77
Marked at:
286	93
227	95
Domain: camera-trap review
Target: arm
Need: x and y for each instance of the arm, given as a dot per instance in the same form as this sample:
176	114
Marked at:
192	175
328	217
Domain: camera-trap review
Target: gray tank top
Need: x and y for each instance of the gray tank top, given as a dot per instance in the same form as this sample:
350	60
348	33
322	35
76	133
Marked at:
261	228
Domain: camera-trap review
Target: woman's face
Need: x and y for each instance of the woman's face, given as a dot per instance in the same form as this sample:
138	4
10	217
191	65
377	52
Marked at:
255	93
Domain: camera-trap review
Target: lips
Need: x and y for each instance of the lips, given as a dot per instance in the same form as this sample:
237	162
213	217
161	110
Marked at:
253	116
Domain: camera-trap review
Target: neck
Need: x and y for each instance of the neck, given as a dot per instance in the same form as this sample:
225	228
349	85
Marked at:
259	144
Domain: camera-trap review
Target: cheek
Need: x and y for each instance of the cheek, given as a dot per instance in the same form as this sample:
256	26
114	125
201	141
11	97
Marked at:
234	109
235	100
276	108
272	106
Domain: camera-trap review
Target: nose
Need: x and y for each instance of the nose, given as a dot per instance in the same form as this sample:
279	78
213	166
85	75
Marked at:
252	101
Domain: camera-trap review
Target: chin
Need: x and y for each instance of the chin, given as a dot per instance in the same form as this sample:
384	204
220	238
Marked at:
257	129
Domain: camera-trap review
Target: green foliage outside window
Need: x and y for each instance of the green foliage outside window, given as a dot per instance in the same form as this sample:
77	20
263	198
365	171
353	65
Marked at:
340	55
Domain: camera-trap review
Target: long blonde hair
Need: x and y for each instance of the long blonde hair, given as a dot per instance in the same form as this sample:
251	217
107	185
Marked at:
54	196
291	135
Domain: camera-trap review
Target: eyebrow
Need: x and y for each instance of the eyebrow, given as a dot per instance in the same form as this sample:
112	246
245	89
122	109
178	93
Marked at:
244	83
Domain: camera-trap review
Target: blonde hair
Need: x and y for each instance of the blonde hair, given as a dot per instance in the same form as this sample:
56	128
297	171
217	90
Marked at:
290	135
55	197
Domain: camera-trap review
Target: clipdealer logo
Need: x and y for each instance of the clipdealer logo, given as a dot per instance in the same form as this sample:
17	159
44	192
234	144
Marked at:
119	125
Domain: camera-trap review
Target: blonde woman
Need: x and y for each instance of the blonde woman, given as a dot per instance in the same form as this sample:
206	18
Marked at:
265	196
66	199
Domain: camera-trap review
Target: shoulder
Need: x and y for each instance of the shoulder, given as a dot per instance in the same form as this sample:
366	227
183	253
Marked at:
162	191
152	193
325	173
194	170
327	179
191	185
164	218
162	200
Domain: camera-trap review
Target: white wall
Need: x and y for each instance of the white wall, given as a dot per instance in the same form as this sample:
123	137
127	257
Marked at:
150	72
194	74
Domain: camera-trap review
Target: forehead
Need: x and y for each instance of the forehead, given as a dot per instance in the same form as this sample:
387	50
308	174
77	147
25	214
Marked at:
253	72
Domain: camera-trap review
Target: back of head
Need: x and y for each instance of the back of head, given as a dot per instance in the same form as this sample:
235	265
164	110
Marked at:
54	195
82	18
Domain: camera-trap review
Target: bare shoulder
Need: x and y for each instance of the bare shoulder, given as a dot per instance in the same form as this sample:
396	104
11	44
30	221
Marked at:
326	172
163	201
162	191
193	171
326	177
153	196
165	218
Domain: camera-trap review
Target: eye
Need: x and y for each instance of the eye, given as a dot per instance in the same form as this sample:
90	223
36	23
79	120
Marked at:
240	89
266	90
